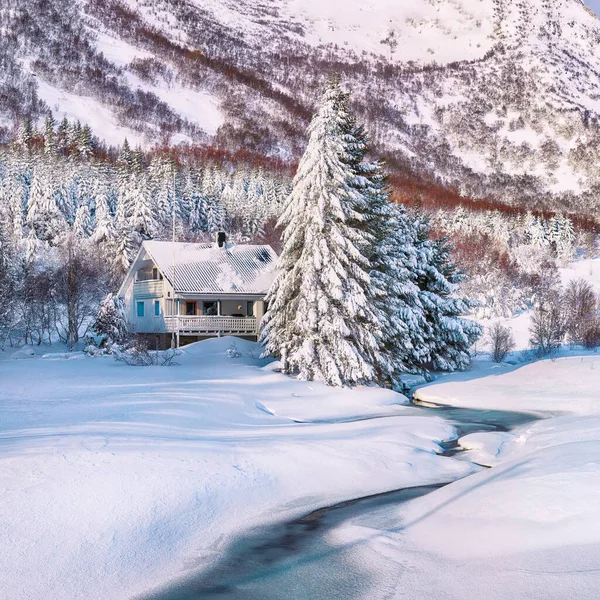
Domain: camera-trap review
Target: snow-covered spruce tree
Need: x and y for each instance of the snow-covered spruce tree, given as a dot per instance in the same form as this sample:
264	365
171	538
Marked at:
142	215
82	227
397	296
111	322
320	319
448	336
104	231
393	258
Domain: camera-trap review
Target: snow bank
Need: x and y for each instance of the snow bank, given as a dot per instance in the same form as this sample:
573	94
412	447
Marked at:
566	384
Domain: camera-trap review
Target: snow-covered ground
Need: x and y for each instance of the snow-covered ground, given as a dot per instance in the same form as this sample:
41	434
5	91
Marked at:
115	479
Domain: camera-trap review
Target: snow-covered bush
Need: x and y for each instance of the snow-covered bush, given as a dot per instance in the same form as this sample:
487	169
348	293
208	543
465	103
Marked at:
111	322
232	351
529	257
494	280
581	312
548	325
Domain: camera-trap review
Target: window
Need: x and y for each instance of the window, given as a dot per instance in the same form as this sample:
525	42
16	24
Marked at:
249	309
155	273
211	309
140	309
190	309
157	308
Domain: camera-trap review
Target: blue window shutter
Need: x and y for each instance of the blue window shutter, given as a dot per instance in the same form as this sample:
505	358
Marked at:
157	308
140	309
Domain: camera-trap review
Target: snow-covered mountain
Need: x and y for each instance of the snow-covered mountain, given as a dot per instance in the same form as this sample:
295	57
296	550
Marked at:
493	97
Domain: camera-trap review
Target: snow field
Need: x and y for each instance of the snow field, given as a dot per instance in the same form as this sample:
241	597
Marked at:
116	479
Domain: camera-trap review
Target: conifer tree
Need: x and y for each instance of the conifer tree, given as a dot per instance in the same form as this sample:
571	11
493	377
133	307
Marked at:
142	217
449	336
104	231
393	258
320	321
111	322
50	146
82	227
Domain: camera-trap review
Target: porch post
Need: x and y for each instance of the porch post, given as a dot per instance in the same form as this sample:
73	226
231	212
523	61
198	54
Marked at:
178	326
220	334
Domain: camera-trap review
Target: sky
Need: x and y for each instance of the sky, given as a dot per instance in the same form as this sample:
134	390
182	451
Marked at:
594	5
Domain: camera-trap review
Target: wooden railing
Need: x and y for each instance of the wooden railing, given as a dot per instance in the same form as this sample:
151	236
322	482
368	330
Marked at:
212	325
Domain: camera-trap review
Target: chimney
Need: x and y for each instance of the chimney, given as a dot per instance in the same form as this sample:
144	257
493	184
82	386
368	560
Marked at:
221	239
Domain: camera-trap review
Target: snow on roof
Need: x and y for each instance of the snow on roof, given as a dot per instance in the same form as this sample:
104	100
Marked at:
206	268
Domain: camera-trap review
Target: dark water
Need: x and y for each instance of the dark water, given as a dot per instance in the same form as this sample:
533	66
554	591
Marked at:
295	561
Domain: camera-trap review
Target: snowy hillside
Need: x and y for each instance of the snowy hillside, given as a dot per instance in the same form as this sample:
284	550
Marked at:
493	97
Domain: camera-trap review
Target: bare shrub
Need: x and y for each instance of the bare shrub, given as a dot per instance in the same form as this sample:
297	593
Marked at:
591	336
138	355
501	341
581	311
548	327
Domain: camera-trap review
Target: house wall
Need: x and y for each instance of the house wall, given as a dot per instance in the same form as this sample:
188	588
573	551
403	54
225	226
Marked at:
148	291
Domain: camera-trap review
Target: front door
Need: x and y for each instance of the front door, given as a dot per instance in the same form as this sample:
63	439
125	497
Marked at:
190	309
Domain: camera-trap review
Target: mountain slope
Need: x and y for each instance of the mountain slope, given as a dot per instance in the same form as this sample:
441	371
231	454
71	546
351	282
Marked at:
493	97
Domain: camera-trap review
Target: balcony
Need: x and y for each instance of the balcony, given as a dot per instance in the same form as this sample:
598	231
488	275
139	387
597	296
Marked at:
203	325
151	288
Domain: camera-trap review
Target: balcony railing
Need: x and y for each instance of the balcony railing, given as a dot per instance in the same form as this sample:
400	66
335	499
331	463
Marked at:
149	287
212	325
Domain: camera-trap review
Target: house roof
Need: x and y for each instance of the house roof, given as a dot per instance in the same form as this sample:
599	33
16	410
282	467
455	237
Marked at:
206	268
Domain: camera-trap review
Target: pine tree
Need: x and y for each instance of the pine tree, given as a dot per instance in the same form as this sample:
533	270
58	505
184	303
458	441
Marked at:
104	231
142	217
162	173
393	257
43	215
50	147
25	135
394	261
82	227
62	135
125	248
216	217
85	142
111	322
319	320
